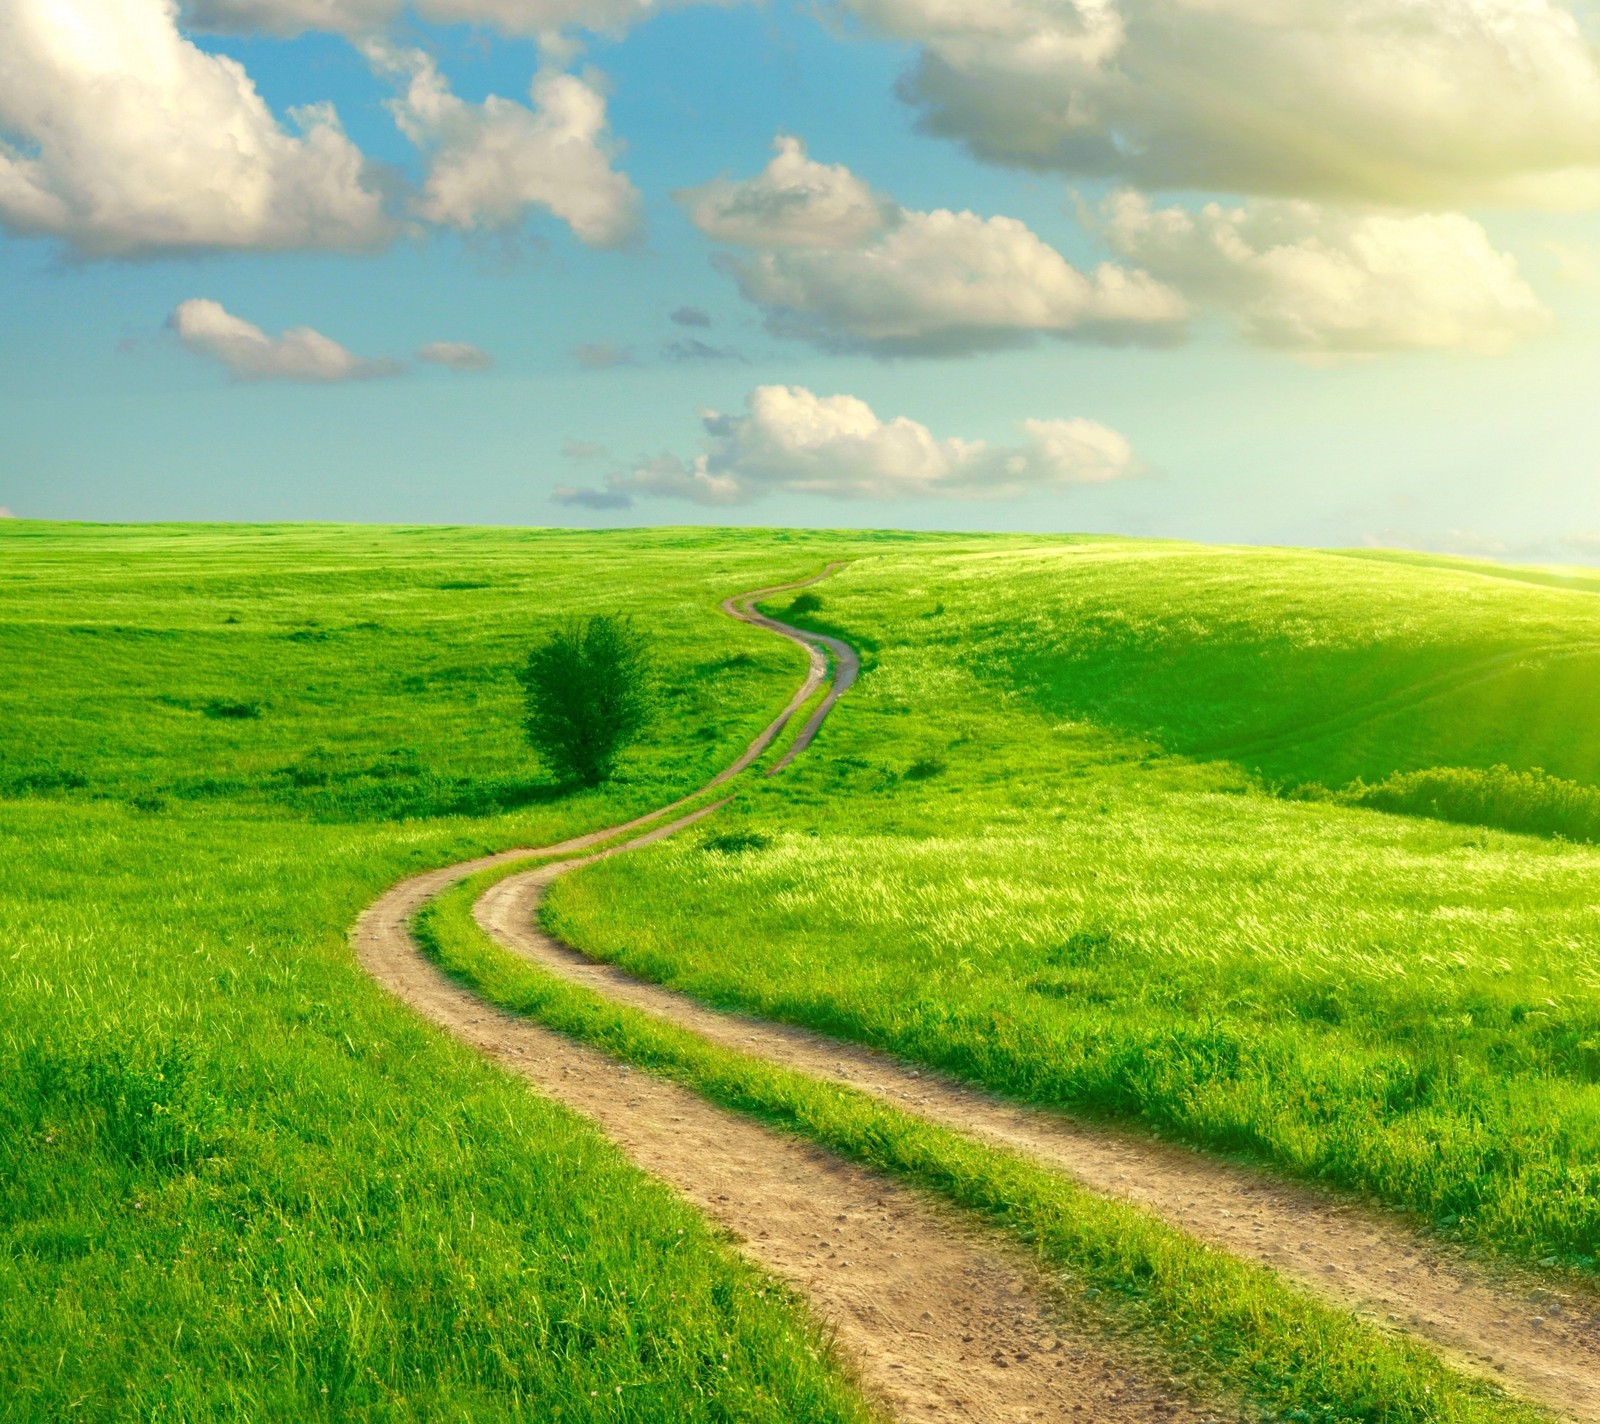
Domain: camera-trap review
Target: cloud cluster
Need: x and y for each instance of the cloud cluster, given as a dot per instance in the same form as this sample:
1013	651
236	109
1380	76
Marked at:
543	18
1298	276
1419	103
457	355
249	354
122	138
793	440
489	163
844	267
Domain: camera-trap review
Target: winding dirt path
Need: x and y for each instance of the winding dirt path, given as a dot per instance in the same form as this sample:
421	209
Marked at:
943	1323
942	1320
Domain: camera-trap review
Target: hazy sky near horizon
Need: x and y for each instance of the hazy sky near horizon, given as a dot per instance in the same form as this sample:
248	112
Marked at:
1297	271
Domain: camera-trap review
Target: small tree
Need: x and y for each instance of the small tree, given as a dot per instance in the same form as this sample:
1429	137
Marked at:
588	696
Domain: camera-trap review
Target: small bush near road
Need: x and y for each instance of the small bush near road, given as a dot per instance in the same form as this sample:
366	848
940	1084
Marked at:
588	695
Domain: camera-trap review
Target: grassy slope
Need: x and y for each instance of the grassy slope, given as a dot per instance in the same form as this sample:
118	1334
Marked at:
235	1180
1020	886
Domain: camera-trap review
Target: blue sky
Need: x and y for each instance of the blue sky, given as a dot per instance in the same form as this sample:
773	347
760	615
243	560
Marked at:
1396	346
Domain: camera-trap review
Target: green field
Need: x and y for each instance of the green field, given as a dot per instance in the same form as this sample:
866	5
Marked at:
1041	849
235	1180
1088	830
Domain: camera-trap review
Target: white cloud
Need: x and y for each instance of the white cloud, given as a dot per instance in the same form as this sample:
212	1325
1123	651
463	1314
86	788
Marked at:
1298	276
489	163
944	283
793	440
543	18
300	354
1421	103
792	202
458	355
122	138
6	513
290	17
844	267
547	17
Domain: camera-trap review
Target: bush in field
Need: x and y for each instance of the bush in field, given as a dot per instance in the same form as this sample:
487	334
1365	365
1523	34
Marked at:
588	691
804	603
1512	800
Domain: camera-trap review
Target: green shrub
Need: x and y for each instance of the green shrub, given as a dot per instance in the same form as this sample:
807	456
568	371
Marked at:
736	842
589	694
1529	801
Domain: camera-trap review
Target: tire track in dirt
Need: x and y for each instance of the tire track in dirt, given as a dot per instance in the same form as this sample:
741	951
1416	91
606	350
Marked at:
942	1319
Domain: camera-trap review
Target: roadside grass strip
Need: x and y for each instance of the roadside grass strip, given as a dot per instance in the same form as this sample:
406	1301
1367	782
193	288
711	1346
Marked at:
1234	1328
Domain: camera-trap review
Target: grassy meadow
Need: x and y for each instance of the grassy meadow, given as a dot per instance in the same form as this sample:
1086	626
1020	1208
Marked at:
1088	831
236	1182
1206	840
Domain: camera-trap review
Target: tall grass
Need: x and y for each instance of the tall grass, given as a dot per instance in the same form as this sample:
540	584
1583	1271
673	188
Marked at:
1530	800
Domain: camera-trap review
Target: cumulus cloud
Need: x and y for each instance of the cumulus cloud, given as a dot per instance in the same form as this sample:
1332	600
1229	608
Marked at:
1423	103
841	266
249	354
457	355
489	163
792	440
584	450
122	138
290	17
944	283
1302	277
543	18
792	202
